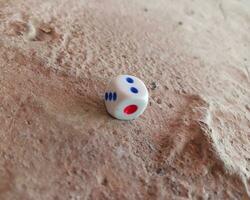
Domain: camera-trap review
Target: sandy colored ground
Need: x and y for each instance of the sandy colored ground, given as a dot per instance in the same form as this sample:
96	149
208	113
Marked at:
56	139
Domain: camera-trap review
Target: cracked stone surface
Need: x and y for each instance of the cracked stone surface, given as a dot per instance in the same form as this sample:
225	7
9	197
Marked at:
58	142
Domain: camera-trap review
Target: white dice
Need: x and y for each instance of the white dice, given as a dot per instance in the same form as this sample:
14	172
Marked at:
126	97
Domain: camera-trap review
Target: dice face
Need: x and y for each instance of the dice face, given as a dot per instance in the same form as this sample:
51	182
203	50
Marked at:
126	97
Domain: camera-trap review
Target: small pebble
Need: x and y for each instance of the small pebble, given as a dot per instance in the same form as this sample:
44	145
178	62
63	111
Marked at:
159	101
153	86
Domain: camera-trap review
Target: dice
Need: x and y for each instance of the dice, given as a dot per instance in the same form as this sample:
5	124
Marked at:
126	97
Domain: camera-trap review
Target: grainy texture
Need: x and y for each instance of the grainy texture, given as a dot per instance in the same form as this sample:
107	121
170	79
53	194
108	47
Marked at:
56	139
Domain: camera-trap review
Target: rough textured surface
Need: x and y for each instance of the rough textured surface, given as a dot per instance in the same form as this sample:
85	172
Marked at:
56	139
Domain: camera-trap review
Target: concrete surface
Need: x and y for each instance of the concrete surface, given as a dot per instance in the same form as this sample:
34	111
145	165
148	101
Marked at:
56	139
